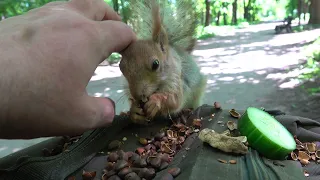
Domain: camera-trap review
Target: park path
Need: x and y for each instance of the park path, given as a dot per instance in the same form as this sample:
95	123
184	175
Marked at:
243	66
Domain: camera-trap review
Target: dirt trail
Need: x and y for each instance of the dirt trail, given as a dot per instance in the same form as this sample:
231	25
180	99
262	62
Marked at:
246	67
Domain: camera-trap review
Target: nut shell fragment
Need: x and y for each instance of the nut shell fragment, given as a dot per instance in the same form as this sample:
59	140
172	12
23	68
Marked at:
234	113
217	105
294	156
174	171
311	147
88	175
120	164
132	176
197	123
166	148
232	161
114	177
304	161
140	150
222	161
113	157
231	125
167	176
72	178
143	141
300	147
159	135
318	153
303	155
124	172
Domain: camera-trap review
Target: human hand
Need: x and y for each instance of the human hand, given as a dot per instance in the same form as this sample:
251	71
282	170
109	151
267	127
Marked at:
48	56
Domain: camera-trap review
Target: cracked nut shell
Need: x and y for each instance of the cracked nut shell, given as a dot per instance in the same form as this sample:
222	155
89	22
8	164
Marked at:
120	164
132	176
174	171
124	172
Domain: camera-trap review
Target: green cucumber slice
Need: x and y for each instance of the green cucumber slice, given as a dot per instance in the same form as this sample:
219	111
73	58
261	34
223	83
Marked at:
265	134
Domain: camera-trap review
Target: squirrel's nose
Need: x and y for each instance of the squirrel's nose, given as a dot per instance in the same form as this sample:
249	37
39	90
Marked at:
144	98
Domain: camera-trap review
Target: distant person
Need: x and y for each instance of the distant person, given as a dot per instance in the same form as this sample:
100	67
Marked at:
48	56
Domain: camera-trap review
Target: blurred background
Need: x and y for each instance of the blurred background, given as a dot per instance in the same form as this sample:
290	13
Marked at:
261	53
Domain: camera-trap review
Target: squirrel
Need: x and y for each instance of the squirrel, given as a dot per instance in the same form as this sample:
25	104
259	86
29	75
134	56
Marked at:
161	74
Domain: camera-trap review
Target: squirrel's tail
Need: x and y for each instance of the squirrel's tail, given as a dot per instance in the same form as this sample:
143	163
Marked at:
178	18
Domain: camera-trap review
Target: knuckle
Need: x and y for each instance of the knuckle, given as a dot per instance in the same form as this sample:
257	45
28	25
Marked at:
86	29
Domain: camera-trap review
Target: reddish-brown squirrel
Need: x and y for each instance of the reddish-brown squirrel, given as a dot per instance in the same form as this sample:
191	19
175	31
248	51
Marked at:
162	76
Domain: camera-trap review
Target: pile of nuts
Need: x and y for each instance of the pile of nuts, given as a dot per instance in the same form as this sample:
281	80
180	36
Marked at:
153	156
306	152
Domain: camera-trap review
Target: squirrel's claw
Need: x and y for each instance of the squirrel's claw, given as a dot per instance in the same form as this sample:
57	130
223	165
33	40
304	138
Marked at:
138	119
137	116
152	107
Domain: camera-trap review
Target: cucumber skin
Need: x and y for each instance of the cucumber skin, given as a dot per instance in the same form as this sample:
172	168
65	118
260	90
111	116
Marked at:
259	142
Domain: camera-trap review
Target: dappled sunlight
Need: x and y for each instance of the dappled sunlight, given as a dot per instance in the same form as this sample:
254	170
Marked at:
98	94
119	91
284	75
103	72
226	79
3	148
241	65
261	72
16	149
211	81
291	84
277	52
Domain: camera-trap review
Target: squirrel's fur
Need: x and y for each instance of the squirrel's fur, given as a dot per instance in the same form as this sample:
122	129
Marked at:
158	67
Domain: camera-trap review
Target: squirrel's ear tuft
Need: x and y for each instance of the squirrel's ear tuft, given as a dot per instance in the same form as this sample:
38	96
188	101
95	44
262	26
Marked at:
159	34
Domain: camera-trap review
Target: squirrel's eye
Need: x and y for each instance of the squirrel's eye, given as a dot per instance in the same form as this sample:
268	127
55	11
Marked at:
155	65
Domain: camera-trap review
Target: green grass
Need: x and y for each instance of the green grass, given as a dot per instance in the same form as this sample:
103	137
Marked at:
113	58
205	32
312	65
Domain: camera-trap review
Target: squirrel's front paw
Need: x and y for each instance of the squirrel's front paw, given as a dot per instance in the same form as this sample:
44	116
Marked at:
153	106
137	116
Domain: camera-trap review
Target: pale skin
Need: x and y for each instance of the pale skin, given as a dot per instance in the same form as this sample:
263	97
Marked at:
48	56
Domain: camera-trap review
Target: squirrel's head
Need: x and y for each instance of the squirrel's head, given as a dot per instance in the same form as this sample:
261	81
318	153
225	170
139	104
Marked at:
145	63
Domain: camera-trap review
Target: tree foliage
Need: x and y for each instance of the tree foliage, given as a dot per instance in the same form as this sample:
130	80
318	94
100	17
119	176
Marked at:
212	12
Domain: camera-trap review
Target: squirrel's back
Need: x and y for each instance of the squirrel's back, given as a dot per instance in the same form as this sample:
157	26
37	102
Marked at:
178	18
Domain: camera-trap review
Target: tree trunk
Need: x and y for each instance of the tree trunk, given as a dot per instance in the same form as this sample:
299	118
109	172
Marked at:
314	12
253	16
246	10
299	11
115	5
224	6
207	21
225	19
218	18
234	12
305	6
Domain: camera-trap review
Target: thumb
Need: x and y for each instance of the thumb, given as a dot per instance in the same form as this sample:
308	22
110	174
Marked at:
115	36
100	111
